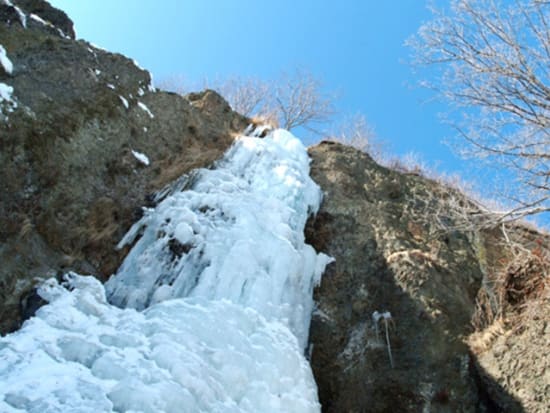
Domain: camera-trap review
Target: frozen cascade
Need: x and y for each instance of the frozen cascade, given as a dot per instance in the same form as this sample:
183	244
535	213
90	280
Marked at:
211	306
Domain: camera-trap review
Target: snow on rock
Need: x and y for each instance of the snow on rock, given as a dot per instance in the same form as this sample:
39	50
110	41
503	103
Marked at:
5	93
5	62
7	101
224	279
124	101
141	157
146	109
22	17
40	20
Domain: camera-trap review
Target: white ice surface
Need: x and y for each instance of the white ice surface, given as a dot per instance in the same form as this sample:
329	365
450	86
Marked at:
5	93
247	216
225	280
80	354
5	62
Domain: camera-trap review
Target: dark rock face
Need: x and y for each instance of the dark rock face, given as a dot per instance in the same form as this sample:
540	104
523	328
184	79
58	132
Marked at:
57	18
70	179
391	257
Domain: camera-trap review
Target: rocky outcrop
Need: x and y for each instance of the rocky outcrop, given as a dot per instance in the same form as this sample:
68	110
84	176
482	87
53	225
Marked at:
84	142
511	341
393	324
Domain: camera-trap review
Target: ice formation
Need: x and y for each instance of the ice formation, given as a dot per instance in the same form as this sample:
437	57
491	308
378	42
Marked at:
215	299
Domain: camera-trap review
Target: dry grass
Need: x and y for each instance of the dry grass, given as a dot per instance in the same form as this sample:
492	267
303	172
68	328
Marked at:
269	119
515	293
481	341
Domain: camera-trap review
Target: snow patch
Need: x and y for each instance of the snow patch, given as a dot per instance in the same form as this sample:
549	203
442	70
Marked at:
136	64
146	109
40	20
124	101
7	101
5	93
62	34
150	86
5	62
141	157
22	17
95	46
49	24
111	86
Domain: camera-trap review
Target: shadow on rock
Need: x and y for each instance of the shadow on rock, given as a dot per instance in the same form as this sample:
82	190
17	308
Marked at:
389	262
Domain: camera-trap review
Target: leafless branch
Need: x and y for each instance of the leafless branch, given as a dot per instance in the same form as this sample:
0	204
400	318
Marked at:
492	63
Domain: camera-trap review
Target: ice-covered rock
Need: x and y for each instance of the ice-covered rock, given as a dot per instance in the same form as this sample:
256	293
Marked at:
225	280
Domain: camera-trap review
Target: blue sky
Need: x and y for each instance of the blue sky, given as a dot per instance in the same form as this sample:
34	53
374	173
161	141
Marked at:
354	46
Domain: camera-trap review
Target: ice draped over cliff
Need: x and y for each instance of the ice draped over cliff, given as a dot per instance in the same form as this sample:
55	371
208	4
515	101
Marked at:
208	313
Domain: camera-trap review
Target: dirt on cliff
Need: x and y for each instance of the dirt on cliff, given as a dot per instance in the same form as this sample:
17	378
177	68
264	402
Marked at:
398	311
84	142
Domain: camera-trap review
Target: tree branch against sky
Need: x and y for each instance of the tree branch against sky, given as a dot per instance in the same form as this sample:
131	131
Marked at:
491	60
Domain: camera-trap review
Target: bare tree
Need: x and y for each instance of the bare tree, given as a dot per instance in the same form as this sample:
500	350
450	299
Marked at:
291	100
355	131
299	101
492	62
248	96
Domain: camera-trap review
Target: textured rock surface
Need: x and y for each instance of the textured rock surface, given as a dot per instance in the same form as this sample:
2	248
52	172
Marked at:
70	182
391	256
511	349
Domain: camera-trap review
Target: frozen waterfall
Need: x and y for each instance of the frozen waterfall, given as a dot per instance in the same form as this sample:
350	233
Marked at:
209	312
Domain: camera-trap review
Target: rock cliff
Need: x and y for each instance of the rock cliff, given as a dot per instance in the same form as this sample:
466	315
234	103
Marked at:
402	251
84	142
